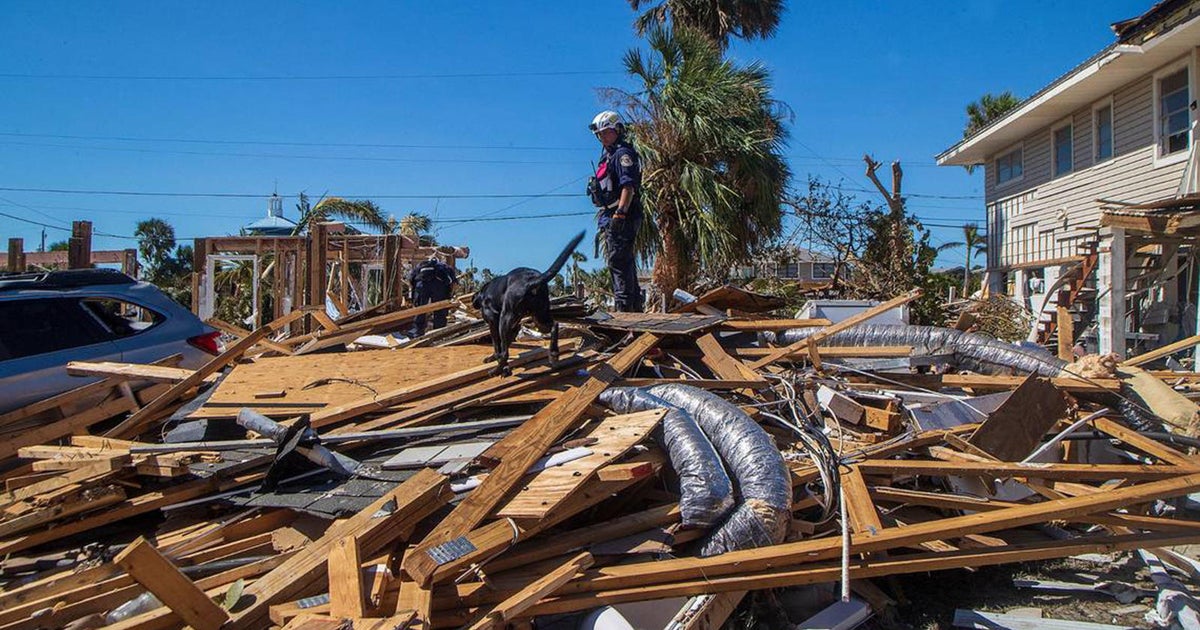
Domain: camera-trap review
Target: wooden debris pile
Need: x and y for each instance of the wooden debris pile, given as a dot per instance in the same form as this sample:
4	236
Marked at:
407	487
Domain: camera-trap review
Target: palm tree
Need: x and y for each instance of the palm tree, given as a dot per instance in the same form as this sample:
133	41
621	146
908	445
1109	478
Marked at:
710	137
361	212
975	244
985	111
988	109
717	20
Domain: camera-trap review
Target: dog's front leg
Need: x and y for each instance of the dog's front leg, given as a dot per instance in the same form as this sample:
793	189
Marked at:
494	330
554	345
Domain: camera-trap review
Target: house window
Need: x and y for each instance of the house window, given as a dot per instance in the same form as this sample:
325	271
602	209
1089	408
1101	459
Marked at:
1009	167
1063	150
789	270
1102	129
822	271
1173	116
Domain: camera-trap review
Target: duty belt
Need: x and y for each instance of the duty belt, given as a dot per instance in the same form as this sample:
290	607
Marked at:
612	206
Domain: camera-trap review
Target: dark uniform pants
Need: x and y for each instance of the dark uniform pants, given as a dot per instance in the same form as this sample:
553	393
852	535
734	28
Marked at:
428	293
622	263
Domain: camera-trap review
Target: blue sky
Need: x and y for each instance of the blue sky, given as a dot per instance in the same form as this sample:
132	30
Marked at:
480	106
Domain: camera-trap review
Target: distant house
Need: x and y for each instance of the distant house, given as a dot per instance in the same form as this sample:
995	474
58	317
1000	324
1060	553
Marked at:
1090	187
795	263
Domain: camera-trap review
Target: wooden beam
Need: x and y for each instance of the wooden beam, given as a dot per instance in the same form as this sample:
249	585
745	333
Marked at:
139	420
813	550
784	576
528	442
1169	349
347	596
1066	334
373	528
816	337
128	371
722	365
543	587
153	571
771	324
1055	472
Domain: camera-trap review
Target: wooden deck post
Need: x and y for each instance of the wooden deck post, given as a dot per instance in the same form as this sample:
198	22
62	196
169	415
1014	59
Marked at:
79	247
16	255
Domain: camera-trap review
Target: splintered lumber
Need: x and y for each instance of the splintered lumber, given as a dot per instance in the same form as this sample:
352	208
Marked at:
350	332
785	554
565	542
543	587
1016	427
239	332
141	419
153	571
990	382
783	576
347	596
76	395
1132	438
813	340
498	535
772	324
66	426
528	443
382	523
549	488
721	364
73	501
1158	353
1057	472
128	371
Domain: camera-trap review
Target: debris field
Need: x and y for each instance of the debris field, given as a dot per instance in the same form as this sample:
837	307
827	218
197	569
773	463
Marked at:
690	457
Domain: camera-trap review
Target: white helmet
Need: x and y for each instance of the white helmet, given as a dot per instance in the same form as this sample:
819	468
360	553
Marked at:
607	120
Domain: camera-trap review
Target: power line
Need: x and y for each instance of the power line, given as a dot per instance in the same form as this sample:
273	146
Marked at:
275	155
140	193
296	77
356	145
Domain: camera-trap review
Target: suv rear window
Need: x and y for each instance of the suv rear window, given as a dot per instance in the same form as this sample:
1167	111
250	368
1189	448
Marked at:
30	327
122	319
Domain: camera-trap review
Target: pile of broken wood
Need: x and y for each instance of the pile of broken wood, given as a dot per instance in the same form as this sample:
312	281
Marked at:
291	482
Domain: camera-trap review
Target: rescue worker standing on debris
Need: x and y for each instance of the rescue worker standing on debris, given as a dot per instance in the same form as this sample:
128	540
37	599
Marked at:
615	190
431	281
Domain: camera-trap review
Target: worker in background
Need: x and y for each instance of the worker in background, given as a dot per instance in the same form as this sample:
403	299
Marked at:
431	281
615	190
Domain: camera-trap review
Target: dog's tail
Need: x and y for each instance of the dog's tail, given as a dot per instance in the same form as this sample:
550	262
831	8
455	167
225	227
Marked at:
562	259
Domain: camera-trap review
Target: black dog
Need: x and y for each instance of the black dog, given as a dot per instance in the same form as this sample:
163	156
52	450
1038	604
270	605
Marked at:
505	300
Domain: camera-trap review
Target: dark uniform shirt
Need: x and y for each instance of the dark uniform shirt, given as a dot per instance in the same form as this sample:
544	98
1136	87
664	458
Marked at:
432	271
619	167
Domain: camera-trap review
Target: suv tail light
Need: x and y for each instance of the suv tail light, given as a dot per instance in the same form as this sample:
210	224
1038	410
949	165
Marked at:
207	342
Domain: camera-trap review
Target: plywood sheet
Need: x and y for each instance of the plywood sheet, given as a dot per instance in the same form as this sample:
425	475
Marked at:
333	379
545	490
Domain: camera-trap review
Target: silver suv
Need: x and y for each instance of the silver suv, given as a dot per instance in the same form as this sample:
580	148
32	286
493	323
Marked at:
49	319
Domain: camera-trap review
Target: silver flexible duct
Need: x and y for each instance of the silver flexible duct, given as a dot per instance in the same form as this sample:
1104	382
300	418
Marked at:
763	480
971	351
706	493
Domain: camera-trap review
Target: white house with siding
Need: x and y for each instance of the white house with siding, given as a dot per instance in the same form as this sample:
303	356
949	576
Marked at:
1095	166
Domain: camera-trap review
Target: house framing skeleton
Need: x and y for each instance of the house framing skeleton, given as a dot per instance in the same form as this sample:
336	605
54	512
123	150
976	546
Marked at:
1091	191
353	272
